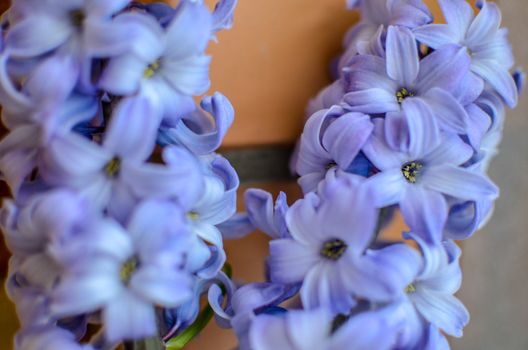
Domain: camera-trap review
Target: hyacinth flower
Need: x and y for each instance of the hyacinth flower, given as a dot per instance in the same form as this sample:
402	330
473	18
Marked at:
319	330
166	65
115	175
217	204
265	215
127	273
30	231
376	17
49	338
107	220
482	37
329	249
330	138
246	304
77	31
431	295
420	173
202	130
375	85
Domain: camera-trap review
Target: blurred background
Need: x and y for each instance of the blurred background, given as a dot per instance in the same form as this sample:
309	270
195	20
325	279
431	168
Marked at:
269	65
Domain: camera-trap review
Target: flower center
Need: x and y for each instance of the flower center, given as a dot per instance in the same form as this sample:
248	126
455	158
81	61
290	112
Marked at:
193	215
330	165
410	289
411	171
127	270
113	167
77	18
151	69
402	94
333	249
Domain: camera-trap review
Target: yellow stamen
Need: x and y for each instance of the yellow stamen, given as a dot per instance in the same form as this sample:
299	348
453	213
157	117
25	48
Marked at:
402	94
193	215
411	170
127	270
410	289
151	69
113	167
333	249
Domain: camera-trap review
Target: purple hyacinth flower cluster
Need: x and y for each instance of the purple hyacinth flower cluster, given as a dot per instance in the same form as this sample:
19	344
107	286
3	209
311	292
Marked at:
116	187
410	125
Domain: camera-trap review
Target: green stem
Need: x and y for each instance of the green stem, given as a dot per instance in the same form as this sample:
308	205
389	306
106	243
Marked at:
184	338
203	319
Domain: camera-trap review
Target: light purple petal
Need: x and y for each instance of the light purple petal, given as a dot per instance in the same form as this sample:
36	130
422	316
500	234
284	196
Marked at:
435	35
307	328
459	183
345	137
458	14
449	113
371	101
478	124
122	75
259	205
53	80
379	152
424	133
336	220
313	157
173	104
129	317
36	35
443	310
146	36
450	150
442	272
18	155
103	39
497	48
366	72
12	100
402	56
443	68
190	31
153	222
74	296
263	327
383	274
133	129
73	160
162	288
469	89
105	8
290	261
189	75
302	220
410	13
326	98
203	143
324	287
425	211
386	187
180	178
106	237
499	78
367	330
485	24
223	15
309	182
